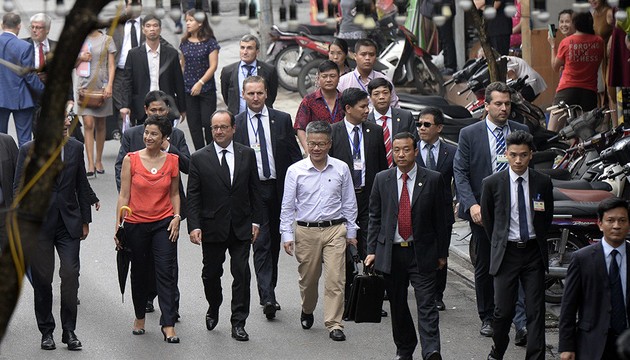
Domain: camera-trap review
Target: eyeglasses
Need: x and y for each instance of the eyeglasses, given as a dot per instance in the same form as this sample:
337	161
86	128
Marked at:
216	128
37	27
321	145
426	124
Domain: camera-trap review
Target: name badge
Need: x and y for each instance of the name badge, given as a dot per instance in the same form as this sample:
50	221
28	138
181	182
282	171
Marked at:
358	164
539	206
502	158
256	147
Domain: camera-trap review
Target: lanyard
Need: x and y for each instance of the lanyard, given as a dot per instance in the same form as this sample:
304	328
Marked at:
257	129
360	82
333	115
356	147
496	138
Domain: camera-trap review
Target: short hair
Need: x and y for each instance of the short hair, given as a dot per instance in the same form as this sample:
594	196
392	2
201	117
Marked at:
319	127
343	45
327	65
11	21
567	12
365	42
41	17
406	135
150	17
162	122
520	137
438	115
378	82
155	95
250	38
583	22
496	86
128	2
255	79
219	112
609	204
352	96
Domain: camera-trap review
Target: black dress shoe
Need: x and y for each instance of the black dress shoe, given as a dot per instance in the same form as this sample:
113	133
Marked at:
68	337
150	308
493	355
47	342
383	313
306	320
212	321
269	310
278	308
434	356
520	339
403	357
439	304
239	333
486	329
337	335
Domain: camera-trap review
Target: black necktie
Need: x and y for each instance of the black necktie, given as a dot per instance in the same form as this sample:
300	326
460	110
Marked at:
430	159
264	156
224	165
618	314
522	211
250	69
356	157
133	34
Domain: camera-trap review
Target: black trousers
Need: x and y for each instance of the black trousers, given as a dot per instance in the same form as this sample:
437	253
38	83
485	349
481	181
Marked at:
484	287
440	276
447	43
526	265
199	109
151	240
43	267
404	271
363	205
501	43
267	245
213	259
152	291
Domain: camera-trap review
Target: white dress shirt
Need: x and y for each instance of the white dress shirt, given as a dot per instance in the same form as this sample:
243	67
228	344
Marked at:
514	232
492	141
411	180
350	130
229	157
46	49
242	75
622	261
153	58
126	44
424	151
312	195
253	133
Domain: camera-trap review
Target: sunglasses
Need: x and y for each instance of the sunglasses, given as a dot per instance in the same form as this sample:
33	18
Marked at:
426	124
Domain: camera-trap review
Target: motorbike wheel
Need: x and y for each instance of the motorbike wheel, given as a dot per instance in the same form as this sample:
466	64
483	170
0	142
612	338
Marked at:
286	59
428	79
554	287
307	80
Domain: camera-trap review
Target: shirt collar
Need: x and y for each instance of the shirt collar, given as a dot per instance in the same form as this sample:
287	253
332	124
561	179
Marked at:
148	49
264	112
377	115
424	143
45	42
253	63
412	173
514	176
492	126
229	148
608	248
350	127
358	75
309	163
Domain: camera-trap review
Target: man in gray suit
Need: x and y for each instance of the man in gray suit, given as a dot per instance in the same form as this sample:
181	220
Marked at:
392	120
407	242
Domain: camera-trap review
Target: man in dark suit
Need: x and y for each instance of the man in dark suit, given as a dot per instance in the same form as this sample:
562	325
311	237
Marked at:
596	290
270	133
154	66
65	225
360	145
517	210
480	153
224	213
232	76
407	242
42	45
8	158
392	120
437	155
18	94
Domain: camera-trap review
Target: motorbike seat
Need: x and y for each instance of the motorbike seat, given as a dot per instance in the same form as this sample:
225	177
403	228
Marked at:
319	38
575	208
452	127
555	174
315	29
579	184
580	195
431	100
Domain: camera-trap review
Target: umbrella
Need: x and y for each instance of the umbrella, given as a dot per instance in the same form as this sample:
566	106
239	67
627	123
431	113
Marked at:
123	252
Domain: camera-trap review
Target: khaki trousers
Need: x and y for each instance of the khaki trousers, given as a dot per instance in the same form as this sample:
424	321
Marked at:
311	246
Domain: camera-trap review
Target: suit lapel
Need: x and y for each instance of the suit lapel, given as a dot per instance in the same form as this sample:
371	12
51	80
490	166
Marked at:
273	130
508	196
442	155
145	62
367	141
418	186
395	122
483	134
392	183
238	163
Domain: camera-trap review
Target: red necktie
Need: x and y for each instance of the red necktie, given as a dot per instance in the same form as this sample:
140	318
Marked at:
42	58
404	211
388	142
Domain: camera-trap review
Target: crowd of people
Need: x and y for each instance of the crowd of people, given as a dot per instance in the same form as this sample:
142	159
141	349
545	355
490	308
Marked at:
353	171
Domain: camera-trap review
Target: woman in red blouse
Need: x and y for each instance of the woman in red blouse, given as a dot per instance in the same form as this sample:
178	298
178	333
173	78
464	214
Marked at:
150	187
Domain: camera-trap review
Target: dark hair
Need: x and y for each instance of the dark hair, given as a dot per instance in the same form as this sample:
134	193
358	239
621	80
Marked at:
11	21
128	2
343	45
218	112
364	42
583	22
609	204
255	79
205	31
352	96
162	122
406	135
319	127
327	65
378	82
155	95
520	137
566	11
496	86
150	17
438	115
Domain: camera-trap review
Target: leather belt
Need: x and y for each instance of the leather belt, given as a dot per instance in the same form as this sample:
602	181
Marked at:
404	244
359	190
321	224
268	182
520	244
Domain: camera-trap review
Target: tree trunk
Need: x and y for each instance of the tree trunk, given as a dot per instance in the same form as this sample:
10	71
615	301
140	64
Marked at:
497	70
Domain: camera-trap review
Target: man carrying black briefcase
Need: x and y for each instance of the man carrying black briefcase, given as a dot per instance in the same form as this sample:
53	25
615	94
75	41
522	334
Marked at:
407	242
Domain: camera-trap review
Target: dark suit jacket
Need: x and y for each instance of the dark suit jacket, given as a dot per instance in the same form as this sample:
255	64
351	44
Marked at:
375	157
430	231
284	146
136	80
214	205
445	167
132	140
72	194
402	120
472	163
8	162
230	88
495	213
18	92
51	43
587	295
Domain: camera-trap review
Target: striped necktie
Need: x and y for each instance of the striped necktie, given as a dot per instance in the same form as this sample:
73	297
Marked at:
500	149
387	137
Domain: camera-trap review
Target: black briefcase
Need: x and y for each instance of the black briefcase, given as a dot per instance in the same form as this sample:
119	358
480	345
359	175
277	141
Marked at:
366	298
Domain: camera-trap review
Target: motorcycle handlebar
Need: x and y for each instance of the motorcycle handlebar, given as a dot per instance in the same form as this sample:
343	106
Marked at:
463	91
553	138
593	161
625	169
449	81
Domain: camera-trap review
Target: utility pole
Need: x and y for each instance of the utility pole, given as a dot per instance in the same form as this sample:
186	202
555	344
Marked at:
265	22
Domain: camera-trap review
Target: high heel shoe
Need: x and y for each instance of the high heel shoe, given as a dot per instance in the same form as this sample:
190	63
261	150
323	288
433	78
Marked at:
139	331
170	340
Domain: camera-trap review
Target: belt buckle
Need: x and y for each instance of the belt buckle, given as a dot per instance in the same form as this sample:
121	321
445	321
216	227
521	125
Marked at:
404	244
322	223
521	245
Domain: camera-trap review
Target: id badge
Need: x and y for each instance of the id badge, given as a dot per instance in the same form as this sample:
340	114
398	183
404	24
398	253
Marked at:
358	164
256	147
539	206
502	158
